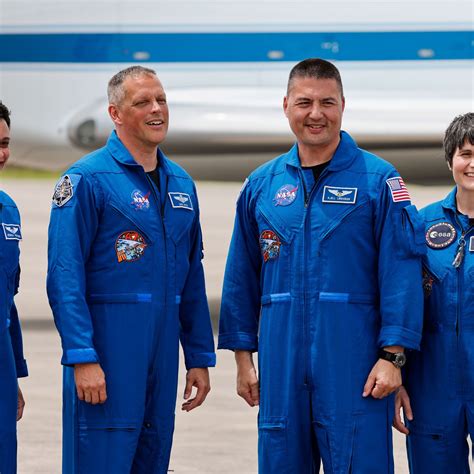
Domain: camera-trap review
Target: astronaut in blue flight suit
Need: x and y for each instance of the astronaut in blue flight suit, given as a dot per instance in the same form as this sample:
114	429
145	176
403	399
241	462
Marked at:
126	283
322	280
439	397
12	363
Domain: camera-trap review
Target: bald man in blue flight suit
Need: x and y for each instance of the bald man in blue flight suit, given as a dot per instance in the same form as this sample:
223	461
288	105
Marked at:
323	280
439	397
12	362
126	283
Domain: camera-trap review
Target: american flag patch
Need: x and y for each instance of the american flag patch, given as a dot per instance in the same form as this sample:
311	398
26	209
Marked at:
398	189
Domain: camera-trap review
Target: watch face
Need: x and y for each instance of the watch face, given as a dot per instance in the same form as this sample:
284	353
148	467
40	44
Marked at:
400	359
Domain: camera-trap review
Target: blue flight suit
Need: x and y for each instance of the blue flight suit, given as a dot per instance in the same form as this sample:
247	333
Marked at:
317	281
126	283
12	363
440	378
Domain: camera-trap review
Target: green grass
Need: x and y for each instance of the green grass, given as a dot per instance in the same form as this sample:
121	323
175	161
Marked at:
16	172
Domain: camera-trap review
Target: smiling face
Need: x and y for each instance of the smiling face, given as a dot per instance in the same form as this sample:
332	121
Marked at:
141	118
4	143
314	110
463	167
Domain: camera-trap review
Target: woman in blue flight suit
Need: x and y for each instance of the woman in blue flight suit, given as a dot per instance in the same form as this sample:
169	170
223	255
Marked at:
438	398
12	364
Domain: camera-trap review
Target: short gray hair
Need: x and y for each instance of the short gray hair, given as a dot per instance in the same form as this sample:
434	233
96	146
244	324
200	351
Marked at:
459	130
115	90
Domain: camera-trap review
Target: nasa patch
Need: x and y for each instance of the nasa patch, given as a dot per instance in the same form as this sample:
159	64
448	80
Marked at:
270	245
129	246
338	195
140	201
285	195
181	200
12	231
63	191
440	235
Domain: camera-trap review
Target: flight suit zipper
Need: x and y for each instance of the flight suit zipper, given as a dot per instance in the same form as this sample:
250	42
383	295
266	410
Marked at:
306	322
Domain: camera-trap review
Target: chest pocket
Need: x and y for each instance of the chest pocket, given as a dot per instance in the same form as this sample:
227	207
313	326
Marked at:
126	215
268	220
180	212
357	212
10	235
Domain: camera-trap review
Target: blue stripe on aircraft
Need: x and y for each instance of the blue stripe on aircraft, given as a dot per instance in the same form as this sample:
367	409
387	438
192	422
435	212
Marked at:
233	47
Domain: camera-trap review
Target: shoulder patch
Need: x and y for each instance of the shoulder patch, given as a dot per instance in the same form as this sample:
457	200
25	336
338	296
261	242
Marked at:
64	191
398	189
181	200
12	231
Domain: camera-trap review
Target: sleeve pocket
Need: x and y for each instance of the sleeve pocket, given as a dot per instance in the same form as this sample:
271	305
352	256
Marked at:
409	229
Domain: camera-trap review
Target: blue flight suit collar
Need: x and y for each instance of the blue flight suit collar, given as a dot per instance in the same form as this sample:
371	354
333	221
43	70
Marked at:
449	202
343	157
121	154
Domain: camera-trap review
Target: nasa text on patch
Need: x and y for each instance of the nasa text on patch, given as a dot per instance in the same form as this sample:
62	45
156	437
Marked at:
398	189
63	191
181	200
440	235
12	231
471	244
339	195
285	195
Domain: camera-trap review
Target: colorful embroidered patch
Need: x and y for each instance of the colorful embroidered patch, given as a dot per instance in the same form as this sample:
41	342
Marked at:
181	200
63	191
339	195
398	189
140	201
471	244
12	231
285	195
269	244
440	235
129	246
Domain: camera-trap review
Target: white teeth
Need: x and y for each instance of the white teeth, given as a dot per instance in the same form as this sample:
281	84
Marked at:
155	123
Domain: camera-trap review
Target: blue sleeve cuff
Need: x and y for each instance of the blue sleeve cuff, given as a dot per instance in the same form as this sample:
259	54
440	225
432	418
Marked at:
21	368
240	341
203	359
79	356
399	336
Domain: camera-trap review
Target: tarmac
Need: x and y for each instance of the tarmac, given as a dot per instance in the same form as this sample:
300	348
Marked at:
218	437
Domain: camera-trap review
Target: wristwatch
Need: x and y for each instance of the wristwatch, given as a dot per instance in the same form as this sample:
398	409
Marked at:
398	359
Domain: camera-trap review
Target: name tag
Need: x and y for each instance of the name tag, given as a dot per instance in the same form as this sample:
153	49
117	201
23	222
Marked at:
12	231
181	200
471	244
338	195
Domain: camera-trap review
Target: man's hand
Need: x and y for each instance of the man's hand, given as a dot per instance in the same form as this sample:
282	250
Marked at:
402	400
199	378
90	383
384	378
247	380
20	405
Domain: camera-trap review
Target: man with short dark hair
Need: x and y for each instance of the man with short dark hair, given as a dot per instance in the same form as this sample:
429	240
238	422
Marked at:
12	363
323	278
125	283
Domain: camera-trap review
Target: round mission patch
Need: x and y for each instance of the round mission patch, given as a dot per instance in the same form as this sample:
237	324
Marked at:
440	235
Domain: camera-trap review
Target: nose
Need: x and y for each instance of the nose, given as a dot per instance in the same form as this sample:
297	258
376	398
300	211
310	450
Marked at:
316	111
156	106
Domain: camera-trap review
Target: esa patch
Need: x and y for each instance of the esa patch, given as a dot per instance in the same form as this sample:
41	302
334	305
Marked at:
398	189
471	244
129	246
63	191
338	195
270	245
440	235
12	231
285	195
181	200
140	201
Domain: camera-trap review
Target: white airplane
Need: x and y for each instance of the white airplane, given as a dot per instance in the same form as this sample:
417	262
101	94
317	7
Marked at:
406	67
